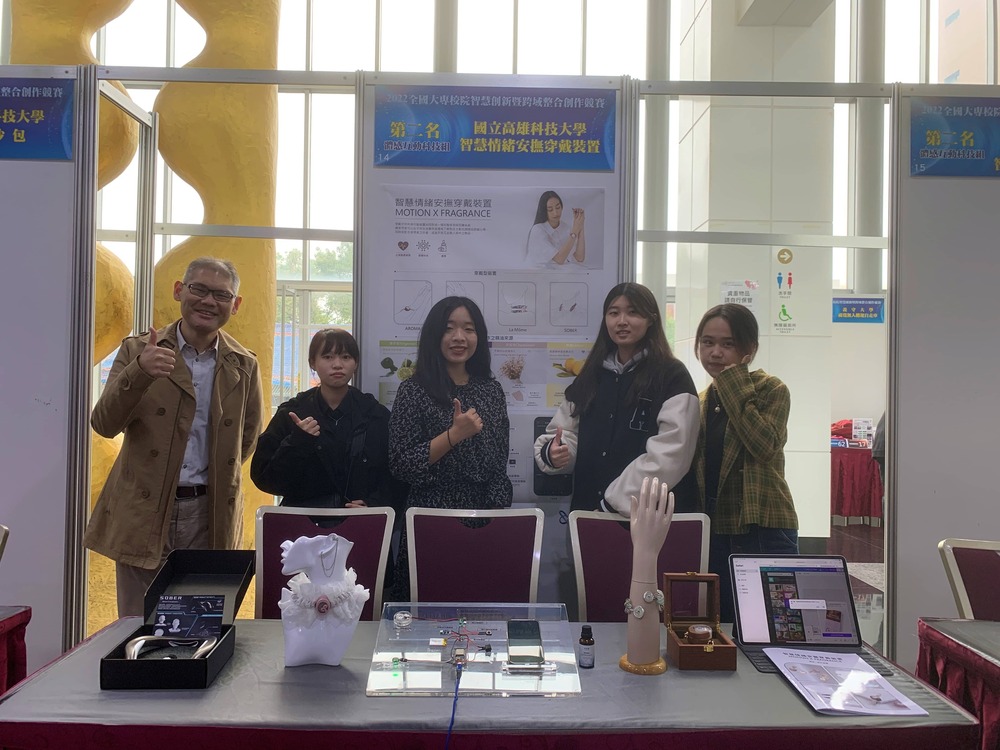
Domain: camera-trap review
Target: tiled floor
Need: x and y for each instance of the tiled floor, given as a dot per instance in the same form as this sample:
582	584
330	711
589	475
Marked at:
860	543
857	543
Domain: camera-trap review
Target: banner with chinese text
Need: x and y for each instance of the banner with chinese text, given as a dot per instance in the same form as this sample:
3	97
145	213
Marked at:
480	127
36	118
952	137
858	310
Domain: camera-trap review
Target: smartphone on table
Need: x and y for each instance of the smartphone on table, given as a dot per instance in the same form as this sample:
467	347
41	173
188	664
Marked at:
524	643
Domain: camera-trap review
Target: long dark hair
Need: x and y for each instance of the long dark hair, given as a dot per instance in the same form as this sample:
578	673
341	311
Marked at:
431	371
649	373
542	213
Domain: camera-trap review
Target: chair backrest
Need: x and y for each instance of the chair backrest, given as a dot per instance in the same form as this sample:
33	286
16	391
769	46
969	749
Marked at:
602	559
369	528
973	567
4	532
474	555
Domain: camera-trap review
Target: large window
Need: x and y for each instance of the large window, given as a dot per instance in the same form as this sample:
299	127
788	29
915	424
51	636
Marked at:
315	172
315	177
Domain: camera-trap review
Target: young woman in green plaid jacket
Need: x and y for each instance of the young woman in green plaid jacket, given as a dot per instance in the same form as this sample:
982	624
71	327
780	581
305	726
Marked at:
740	460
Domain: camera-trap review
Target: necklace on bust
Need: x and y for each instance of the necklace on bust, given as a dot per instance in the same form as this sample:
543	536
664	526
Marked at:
328	568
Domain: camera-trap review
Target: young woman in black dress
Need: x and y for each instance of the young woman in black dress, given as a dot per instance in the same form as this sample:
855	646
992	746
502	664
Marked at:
449	433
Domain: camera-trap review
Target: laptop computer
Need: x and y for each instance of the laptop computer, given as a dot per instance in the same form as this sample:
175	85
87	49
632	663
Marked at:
796	601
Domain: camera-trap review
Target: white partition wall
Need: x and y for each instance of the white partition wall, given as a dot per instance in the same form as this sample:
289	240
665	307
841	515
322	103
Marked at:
944	404
753	165
46	309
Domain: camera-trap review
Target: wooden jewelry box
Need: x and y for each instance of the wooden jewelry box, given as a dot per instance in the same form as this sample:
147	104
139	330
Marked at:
719	652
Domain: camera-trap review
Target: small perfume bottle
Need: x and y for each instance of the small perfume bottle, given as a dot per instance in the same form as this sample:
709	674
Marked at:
586	658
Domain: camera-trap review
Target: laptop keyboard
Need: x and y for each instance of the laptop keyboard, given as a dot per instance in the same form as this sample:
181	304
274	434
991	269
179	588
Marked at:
763	664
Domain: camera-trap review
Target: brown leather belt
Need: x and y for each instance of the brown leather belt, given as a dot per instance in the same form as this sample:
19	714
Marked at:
192	491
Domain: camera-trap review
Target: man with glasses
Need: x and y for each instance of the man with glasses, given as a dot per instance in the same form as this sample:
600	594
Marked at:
188	399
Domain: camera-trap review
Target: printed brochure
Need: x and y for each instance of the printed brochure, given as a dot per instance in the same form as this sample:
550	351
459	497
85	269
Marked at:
841	683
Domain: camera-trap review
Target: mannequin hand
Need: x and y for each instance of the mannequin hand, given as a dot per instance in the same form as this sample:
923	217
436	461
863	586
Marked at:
464	424
156	361
558	451
308	425
650	517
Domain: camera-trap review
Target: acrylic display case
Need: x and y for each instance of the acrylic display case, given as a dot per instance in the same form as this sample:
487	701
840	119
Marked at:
420	646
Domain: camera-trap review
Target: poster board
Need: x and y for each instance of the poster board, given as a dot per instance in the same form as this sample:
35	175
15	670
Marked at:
454	172
46	209
942	417
453	176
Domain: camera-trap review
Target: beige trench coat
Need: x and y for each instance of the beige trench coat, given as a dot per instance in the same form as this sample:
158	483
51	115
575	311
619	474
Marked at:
131	521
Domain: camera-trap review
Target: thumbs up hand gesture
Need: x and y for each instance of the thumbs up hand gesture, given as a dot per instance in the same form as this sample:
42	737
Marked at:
464	424
558	451
156	361
309	425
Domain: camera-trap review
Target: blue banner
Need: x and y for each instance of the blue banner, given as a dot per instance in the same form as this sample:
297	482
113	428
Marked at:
955	137
858	310
481	127
36	118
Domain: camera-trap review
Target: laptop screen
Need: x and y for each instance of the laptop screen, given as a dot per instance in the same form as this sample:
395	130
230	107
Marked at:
794	600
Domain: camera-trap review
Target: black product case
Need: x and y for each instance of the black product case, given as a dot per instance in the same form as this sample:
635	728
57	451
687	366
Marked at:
188	571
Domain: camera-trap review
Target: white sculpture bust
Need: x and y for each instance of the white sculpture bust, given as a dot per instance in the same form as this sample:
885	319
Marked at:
321	607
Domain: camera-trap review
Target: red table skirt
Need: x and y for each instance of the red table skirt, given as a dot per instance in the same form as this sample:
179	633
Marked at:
96	737
13	655
855	483
969	679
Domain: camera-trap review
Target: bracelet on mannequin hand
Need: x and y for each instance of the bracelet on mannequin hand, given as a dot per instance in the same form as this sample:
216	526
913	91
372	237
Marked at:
448	434
649	597
637	610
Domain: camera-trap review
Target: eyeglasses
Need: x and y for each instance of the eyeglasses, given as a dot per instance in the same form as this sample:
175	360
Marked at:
199	290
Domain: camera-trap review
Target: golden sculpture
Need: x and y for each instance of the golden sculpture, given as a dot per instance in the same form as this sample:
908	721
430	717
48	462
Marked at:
222	139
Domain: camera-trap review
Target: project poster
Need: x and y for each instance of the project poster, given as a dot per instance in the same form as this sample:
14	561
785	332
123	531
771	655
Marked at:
954	137
489	217
36	118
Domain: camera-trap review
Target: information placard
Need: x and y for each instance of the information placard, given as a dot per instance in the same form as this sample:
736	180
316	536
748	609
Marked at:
36	118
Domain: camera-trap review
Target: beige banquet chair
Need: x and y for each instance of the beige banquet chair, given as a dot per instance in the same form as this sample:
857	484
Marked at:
973	568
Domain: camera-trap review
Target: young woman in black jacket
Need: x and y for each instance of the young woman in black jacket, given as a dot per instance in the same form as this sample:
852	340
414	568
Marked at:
328	447
631	413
